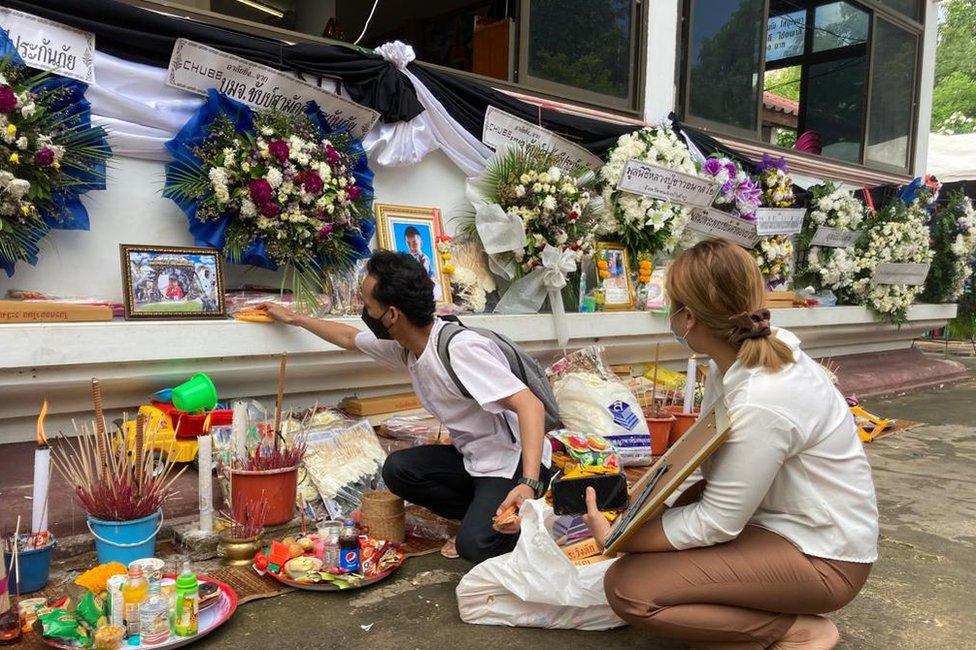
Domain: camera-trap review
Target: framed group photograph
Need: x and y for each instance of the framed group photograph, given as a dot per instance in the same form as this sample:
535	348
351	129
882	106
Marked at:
162	282
613	271
413	230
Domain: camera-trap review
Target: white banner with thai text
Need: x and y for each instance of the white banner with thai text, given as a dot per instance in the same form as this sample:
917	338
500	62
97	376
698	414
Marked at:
779	221
50	46
198	68
912	275
502	128
658	182
720	224
835	237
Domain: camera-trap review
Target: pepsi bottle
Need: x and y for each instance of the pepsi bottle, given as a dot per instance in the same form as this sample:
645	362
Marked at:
349	547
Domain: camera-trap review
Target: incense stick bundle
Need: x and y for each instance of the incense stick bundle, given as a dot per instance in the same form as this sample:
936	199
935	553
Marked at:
128	489
140	446
101	439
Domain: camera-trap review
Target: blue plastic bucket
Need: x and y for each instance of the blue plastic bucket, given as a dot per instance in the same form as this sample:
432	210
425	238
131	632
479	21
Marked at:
35	567
125	541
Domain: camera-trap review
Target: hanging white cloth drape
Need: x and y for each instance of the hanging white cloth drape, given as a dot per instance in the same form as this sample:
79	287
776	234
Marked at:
464	150
141	113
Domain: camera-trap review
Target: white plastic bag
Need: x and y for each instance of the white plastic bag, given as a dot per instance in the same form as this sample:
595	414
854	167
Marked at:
589	403
536	585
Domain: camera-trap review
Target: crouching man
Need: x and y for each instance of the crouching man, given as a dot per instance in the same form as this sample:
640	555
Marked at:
499	454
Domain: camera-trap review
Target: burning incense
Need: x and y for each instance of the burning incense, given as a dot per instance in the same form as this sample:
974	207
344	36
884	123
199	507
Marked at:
281	396
42	477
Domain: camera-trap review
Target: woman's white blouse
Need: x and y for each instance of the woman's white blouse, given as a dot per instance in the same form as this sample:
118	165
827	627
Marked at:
793	464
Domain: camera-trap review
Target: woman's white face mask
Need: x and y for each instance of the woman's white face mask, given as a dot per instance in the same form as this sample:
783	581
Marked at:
679	338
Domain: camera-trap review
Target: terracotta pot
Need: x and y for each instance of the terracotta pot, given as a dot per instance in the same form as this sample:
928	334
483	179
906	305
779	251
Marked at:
660	432
276	486
682	422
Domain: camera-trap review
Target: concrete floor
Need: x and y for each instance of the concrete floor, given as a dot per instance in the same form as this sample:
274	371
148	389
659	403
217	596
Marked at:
919	595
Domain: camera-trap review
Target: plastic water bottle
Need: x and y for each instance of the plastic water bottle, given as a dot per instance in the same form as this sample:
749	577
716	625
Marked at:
154	617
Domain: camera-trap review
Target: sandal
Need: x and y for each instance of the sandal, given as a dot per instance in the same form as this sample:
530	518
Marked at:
449	550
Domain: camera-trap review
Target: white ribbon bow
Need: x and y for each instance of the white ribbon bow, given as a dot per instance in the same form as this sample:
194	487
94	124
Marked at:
526	295
397	53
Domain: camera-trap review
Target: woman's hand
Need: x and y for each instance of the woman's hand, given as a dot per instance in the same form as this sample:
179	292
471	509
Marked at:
280	314
507	520
595	520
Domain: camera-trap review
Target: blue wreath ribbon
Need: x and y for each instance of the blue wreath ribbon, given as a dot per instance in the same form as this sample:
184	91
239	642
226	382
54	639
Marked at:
64	210
213	232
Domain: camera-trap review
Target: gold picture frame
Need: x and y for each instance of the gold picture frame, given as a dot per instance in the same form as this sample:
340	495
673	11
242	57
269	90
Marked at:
413	230
172	282
618	290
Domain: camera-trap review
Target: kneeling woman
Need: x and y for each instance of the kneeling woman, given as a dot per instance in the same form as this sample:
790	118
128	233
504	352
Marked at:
784	525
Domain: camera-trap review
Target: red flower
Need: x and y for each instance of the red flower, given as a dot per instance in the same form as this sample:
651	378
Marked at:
270	209
332	154
310	182
279	149
573	215
353	192
8	100
44	157
325	230
260	190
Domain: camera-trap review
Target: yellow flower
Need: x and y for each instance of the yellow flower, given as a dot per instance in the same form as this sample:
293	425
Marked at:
448	269
11	130
56	165
14	158
25	209
446	256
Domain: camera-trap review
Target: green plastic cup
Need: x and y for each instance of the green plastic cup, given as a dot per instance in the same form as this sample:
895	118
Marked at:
196	394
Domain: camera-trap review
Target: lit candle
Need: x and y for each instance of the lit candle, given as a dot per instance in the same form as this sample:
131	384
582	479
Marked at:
690	377
42	477
205	484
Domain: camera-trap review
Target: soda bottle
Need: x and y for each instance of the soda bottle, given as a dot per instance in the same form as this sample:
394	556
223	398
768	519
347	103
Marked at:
187	620
349	547
134	591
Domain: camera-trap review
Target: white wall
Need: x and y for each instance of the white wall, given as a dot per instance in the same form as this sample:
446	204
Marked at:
132	211
930	40
660	58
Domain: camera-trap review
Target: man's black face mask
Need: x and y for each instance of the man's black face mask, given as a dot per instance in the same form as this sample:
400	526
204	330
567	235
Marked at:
376	326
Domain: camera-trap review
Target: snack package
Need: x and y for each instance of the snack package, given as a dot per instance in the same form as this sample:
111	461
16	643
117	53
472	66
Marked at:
592	454
592	399
64	626
91	609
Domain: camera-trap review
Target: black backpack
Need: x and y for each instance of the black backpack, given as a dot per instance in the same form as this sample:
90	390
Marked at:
520	363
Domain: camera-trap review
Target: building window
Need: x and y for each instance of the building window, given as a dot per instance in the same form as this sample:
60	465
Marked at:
819	62
587	50
891	117
581	48
724	60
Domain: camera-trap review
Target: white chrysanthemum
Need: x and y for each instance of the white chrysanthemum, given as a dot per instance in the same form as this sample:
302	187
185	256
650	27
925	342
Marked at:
274	177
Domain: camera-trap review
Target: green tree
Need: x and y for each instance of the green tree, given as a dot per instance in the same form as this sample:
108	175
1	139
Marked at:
955	63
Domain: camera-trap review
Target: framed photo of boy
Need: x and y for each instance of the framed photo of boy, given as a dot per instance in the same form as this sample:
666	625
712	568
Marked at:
613	273
413	230
161	282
